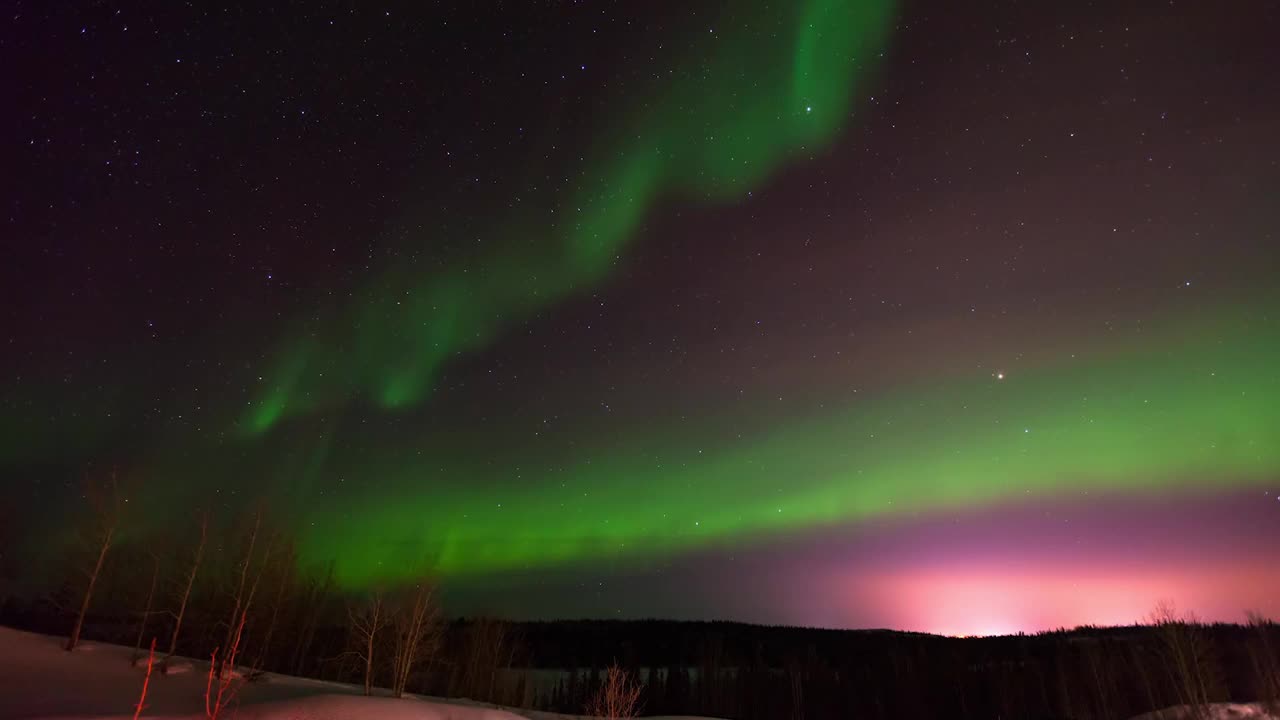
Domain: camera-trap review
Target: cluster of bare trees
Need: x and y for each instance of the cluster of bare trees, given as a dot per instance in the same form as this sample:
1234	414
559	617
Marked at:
239	581
239	585
486	647
1187	655
1264	662
234	594
617	697
98	535
400	629
397	639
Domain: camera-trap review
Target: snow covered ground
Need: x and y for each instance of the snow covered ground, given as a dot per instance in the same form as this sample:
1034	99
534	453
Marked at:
40	680
1217	711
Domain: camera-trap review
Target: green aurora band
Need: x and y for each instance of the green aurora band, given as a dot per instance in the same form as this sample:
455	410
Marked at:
1198	412
753	100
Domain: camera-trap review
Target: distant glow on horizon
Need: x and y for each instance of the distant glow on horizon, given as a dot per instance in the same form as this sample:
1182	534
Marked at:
973	600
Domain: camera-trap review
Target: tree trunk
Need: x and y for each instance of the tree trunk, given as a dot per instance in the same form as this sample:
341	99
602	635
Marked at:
368	664
411	633
74	639
318	597
260	663
186	593
239	596
146	614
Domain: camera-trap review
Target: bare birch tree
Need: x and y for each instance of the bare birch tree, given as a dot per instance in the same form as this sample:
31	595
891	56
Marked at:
107	507
1187	656
1266	666
189	581
617	697
285	584
489	647
416	633
146	612
226	689
242	596
267	553
367	622
313	606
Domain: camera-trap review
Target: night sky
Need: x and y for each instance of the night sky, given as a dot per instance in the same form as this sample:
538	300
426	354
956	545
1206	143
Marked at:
955	317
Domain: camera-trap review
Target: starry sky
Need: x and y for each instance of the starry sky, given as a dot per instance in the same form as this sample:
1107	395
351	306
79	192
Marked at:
857	313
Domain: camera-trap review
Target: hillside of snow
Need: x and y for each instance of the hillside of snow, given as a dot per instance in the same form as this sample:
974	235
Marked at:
41	680
1216	711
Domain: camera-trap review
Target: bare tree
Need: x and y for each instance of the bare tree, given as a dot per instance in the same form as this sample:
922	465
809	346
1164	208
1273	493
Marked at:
1139	662
146	681
8	540
1266	667
617	697
1095	657
214	704
107	511
146	613
367	620
416	632
189	581
285	568
242	599
257	576
489	647
795	675
314	606
1187	656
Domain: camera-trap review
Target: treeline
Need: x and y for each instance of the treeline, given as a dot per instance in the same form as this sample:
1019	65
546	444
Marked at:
745	672
230	591
751	672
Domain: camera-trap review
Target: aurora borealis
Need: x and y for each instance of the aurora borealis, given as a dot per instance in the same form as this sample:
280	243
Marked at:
809	313
1131	423
770	84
